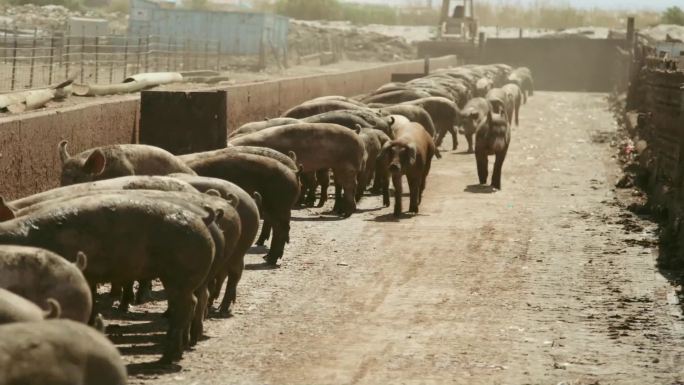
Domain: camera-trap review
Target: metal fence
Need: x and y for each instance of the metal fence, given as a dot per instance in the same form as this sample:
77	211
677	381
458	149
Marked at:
30	61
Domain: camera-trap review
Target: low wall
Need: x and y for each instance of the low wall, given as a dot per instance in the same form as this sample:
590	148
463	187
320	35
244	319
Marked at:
563	64
29	162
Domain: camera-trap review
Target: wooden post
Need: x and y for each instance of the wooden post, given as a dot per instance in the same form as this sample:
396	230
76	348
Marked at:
52	57
33	57
481	45
97	58
14	60
520	33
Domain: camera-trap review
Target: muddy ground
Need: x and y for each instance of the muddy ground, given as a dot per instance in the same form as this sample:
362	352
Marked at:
549	281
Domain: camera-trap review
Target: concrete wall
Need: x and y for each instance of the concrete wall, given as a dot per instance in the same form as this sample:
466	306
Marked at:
570	64
29	162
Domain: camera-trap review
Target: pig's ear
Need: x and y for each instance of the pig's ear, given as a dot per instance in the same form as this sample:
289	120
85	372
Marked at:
232	199
213	192
257	199
63	154
292	156
412	153
81	261
357	128
391	121
95	164
489	118
6	212
53	311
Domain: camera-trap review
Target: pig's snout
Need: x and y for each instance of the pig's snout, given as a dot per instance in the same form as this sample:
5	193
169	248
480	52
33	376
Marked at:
395	167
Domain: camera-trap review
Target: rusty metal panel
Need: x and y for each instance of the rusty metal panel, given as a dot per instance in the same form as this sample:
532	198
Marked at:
184	122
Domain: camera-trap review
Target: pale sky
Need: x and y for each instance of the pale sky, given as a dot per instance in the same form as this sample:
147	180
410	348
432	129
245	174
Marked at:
608	4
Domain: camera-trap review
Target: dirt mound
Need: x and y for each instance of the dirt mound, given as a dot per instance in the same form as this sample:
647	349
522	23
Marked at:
357	45
48	18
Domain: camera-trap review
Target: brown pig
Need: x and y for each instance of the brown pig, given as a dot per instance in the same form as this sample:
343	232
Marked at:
492	138
58	352
410	154
14	308
318	146
117	160
38	275
128	237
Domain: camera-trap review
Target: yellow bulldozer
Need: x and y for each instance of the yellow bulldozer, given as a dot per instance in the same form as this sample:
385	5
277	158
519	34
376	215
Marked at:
457	32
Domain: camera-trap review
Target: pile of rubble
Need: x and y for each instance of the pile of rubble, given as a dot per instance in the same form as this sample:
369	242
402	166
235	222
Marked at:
355	44
49	18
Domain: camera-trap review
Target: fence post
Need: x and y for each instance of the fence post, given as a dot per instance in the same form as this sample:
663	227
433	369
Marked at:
168	54
33	57
82	57
125	69
97	58
139	51
218	56
14	60
67	54
147	53
206	54
186	61
4	52
112	57
51	59
174	53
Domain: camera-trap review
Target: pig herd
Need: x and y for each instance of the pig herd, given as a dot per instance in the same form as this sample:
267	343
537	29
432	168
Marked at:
135	213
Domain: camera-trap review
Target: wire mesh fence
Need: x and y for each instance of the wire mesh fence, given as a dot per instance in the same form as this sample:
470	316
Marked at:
30	61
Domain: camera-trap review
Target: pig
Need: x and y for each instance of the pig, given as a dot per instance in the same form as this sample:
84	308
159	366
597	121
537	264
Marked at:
410	154
39	275
277	185
58	352
337	98
249	128
445	116
134	182
522	76
413	113
128	237
338	117
289	160
514	92
395	97
492	138
372	145
248	211
305	110
318	146
116	160
482	86
473	114
502	103
14	308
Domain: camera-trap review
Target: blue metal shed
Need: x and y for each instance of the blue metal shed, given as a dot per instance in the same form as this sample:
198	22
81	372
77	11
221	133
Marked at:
240	33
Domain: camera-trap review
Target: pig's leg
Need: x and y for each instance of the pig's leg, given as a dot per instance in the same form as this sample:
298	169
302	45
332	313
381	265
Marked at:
281	235
496	174
454	137
197	328
347	179
182	305
144	292
396	181
481	159
469	138
127	297
265	232
414	182
423	182
440	137
323	180
235	269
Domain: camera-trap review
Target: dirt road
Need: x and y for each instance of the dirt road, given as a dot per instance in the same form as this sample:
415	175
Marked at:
548	281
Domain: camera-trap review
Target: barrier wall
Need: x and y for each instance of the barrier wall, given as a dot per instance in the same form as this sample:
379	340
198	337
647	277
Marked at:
562	64
29	162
